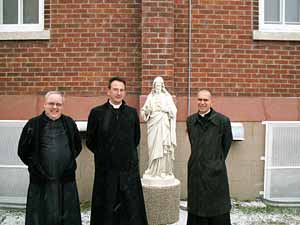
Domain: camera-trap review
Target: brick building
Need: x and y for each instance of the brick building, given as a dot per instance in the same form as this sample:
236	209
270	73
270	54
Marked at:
247	52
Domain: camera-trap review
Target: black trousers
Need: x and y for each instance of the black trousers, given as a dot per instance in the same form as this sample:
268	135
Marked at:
215	220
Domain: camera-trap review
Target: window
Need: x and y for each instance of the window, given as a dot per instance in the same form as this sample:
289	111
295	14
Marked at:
21	15
279	15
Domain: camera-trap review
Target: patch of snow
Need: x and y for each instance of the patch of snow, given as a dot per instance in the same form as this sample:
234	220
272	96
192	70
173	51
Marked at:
254	204
12	217
238	216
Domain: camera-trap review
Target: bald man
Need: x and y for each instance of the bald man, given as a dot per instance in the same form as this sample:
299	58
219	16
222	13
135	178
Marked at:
48	145
210	137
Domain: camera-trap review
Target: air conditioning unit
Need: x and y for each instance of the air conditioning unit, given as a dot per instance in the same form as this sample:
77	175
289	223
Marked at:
13	173
282	163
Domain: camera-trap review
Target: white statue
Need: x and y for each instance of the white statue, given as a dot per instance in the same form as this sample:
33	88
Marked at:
159	111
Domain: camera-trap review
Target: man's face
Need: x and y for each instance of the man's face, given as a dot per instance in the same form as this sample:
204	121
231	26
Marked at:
204	101
116	92
53	106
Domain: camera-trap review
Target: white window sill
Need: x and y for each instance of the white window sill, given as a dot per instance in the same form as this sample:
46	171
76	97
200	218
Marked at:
276	36
25	35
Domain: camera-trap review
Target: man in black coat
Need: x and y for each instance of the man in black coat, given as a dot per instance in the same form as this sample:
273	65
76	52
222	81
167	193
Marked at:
48	145
208	190
113	134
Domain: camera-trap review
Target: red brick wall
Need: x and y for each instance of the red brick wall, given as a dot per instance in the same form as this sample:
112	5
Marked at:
227	60
47	14
90	42
93	41
157	43
181	24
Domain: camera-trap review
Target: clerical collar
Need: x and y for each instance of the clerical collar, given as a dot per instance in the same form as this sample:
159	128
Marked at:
114	105
203	115
49	118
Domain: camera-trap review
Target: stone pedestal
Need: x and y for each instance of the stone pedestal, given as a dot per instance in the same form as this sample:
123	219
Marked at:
162	199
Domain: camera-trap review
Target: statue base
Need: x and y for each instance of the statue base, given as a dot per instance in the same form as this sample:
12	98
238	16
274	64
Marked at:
162	199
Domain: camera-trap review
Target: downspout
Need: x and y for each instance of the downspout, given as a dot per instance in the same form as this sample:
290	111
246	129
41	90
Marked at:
189	57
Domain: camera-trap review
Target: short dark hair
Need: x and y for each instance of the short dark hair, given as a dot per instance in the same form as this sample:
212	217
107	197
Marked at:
116	79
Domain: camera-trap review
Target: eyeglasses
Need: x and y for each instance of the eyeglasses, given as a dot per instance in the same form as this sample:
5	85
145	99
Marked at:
52	104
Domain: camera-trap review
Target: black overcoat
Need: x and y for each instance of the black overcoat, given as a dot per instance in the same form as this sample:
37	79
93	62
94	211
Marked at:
113	136
50	199
208	189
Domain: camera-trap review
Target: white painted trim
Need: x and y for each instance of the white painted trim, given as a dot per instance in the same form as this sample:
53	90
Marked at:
14	166
1	12
20	11
81	124
14	121
283	167
41	14
283	122
20	27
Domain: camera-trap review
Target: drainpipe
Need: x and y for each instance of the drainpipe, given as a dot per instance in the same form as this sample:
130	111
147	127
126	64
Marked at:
189	57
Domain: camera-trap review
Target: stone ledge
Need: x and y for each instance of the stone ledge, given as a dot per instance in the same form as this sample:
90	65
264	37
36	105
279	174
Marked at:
25	35
276	36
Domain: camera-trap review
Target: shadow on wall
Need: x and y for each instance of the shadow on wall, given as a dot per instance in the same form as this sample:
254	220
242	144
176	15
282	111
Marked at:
85	173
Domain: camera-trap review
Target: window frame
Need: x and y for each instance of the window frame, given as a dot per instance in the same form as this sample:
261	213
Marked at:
276	27
23	27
